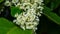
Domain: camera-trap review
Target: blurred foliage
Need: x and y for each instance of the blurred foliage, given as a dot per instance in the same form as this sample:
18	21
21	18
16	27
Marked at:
1	4
1	1
7	27
49	21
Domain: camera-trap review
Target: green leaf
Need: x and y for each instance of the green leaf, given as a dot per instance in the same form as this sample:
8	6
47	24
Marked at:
17	30
15	10
54	17
7	27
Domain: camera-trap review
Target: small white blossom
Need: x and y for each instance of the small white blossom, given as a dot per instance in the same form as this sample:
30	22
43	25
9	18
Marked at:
18	4
16	15
7	3
22	26
15	1
29	25
14	21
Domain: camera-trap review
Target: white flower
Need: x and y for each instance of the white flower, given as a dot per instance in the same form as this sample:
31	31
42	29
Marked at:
37	19
23	1
26	19
18	4
34	6
15	1
16	15
17	23
35	23
7	3
14	21
29	25
40	7
22	26
29	19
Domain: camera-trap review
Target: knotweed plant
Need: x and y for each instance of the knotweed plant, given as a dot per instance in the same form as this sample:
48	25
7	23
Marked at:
28	19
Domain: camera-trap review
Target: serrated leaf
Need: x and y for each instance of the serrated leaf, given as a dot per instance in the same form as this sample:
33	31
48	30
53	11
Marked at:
7	27
54	17
15	10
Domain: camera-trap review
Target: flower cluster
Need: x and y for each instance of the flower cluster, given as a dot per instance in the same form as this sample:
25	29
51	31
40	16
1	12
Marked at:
28	19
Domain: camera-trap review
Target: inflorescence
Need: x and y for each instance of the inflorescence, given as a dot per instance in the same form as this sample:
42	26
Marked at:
28	19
